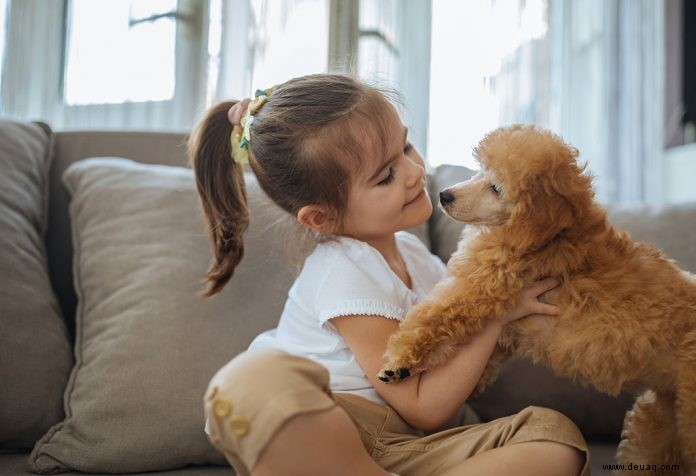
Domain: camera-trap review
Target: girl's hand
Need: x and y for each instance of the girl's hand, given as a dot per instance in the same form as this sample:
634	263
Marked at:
528	302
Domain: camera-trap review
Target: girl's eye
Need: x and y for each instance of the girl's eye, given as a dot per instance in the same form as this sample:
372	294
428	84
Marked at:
408	147
388	178
496	189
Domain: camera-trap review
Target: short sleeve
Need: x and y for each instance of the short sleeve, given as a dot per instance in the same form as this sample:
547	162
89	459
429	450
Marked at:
358	282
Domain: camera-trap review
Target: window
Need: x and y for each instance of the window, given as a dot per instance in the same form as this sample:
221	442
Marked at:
116	64
291	38
475	78
265	42
3	31
128	55
393	45
589	70
269	41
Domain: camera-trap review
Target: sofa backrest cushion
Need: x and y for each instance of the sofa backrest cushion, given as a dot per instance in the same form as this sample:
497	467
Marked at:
671	228
35	353
444	231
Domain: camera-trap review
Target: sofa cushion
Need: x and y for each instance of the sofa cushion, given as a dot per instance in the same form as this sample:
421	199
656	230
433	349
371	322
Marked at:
672	229
35	354
146	344
444	231
16	465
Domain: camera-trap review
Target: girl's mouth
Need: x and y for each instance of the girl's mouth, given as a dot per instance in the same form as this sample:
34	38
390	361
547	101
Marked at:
420	195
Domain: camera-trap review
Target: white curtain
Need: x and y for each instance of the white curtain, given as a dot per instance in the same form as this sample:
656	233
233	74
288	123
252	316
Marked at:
597	79
394	52
591	70
265	42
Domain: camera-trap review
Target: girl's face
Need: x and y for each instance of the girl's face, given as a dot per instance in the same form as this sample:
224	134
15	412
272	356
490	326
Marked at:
389	194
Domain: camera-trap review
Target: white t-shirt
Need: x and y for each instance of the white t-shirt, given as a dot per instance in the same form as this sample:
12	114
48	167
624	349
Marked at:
348	277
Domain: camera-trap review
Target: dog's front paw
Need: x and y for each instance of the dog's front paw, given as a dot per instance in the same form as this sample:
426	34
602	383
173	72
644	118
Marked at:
387	375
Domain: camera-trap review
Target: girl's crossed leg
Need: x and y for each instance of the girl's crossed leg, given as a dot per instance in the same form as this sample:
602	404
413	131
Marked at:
324	442
272	413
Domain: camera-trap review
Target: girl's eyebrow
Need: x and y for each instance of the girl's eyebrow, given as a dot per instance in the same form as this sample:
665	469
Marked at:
388	160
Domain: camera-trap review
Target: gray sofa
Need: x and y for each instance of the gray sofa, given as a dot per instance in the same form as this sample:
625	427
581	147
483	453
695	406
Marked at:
106	349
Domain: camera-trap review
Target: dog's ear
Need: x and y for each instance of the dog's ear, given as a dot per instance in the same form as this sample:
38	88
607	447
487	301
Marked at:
538	219
550	204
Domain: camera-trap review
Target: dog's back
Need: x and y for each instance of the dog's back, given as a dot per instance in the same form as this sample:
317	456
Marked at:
626	315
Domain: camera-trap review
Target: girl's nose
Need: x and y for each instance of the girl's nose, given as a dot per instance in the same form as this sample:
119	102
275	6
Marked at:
417	171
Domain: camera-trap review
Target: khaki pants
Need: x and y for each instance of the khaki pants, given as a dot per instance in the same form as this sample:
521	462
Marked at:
250	398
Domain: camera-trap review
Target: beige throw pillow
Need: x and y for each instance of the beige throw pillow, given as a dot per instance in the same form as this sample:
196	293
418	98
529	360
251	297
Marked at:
146	345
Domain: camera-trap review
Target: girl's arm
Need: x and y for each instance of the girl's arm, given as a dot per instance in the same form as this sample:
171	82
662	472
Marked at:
430	399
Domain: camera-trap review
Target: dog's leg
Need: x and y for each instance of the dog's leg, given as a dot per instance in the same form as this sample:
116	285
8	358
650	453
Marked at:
649	437
431	333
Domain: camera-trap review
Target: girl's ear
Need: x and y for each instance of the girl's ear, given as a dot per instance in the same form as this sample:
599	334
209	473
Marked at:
316	218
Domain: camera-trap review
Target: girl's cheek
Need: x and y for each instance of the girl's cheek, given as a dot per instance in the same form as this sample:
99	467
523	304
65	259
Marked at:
382	201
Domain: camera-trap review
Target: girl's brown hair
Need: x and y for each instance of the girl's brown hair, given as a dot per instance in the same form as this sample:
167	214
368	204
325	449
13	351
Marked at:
307	141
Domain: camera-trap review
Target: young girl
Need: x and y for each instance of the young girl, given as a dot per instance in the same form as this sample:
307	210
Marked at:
305	399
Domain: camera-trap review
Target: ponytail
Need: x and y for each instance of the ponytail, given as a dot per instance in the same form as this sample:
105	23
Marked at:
220	185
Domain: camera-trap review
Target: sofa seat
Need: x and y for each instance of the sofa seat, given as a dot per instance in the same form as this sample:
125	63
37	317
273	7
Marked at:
16	465
601	453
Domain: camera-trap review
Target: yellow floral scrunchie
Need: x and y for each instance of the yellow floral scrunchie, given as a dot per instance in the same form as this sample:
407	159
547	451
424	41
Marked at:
241	133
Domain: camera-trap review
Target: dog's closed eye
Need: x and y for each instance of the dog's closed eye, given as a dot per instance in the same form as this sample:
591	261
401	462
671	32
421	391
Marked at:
496	189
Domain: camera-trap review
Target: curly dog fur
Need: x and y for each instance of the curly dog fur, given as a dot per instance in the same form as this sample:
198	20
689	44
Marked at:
629	313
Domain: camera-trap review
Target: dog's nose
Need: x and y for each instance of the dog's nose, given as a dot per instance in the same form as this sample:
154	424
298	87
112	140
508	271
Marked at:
446	197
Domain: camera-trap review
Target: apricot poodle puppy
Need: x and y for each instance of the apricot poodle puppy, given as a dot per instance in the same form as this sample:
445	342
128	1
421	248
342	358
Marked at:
629	313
